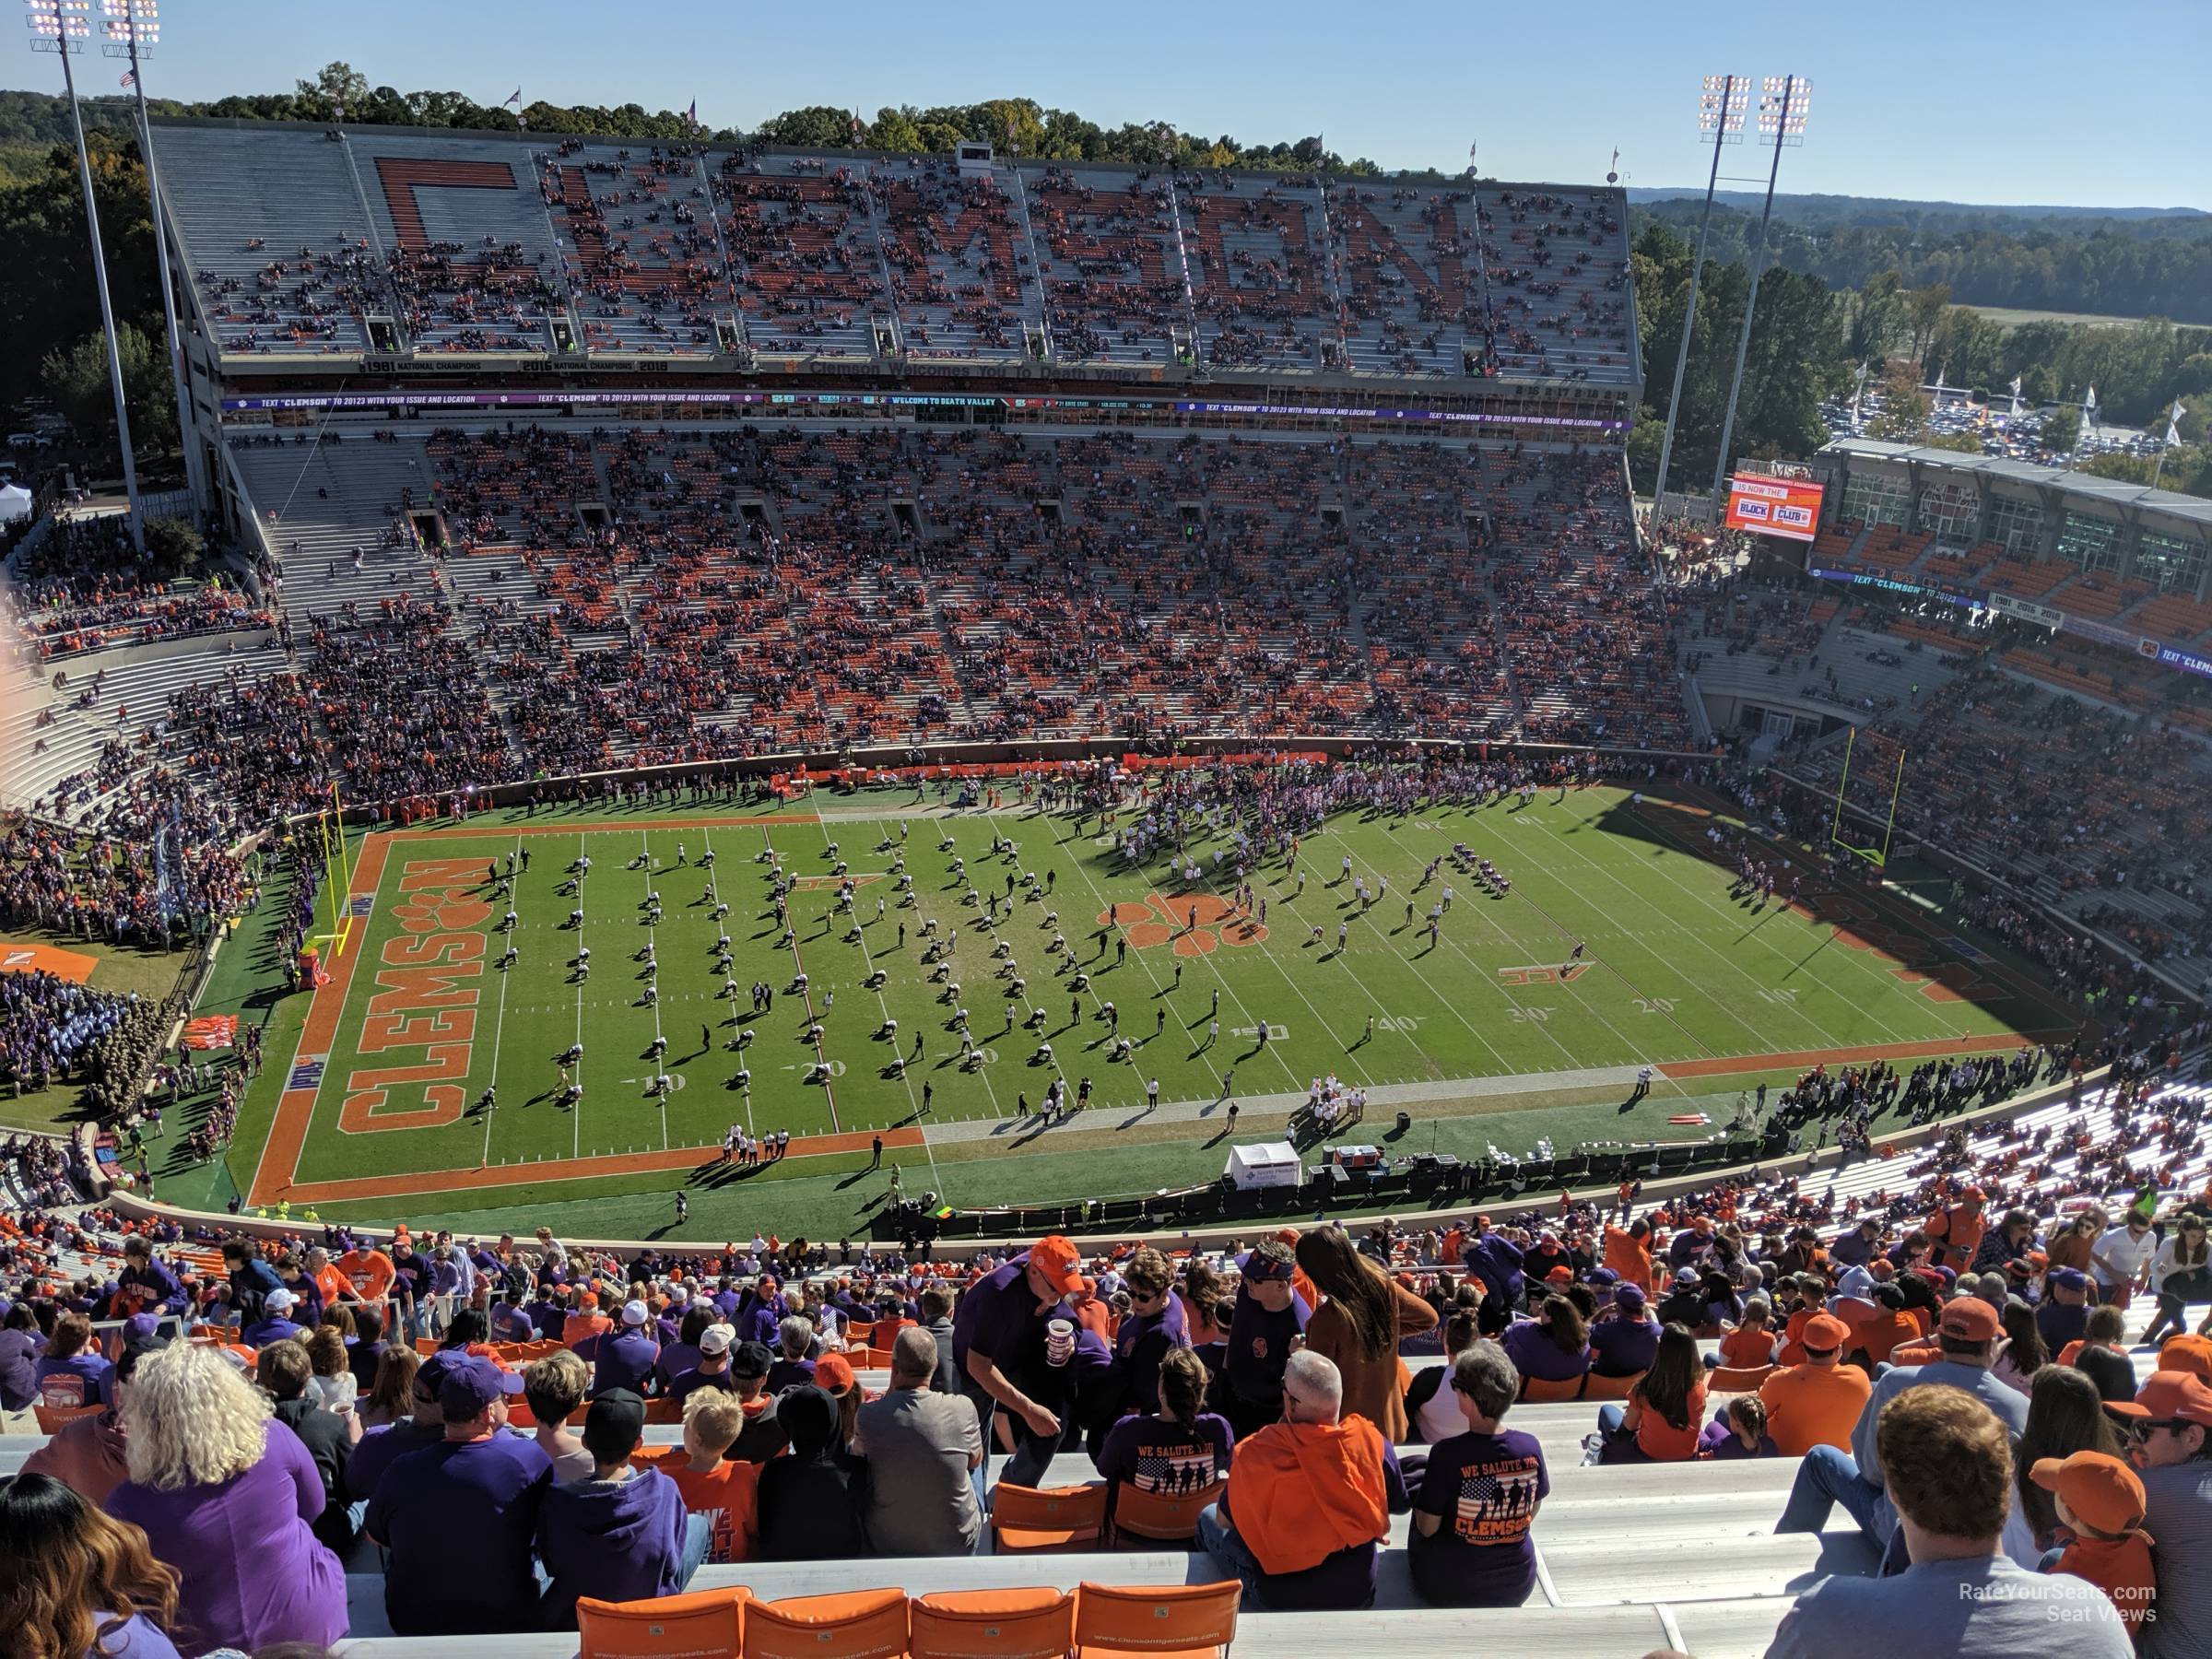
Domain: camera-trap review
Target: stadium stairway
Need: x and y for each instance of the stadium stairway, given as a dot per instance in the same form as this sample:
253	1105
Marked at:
332	500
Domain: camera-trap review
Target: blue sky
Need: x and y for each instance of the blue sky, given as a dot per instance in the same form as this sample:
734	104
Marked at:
2096	104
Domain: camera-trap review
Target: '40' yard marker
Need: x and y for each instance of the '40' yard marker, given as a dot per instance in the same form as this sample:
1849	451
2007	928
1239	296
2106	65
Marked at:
1545	976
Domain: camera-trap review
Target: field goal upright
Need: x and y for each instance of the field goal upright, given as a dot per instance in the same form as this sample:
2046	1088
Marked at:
1881	775
337	879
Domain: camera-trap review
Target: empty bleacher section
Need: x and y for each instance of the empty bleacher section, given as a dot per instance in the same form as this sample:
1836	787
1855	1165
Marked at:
275	243
489	244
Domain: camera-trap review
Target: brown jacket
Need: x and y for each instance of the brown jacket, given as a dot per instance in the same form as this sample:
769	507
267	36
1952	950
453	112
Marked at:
87	1456
1373	1388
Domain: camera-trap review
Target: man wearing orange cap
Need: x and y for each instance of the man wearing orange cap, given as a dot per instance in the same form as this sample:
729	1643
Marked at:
999	1340
2169	1423
1968	1333
2100	1502
1818	1402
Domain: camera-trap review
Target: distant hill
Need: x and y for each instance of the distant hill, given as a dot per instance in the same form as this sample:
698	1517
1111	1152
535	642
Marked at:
1814	209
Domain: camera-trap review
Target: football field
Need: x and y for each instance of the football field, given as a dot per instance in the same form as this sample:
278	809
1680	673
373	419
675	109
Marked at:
429	1079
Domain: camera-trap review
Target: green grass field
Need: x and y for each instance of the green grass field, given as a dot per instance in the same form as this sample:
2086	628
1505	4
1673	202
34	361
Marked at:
1480	1035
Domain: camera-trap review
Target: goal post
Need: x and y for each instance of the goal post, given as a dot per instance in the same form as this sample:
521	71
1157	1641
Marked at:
337	879
1888	780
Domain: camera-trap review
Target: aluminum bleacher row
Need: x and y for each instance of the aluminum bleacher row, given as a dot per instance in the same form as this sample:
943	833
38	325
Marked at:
295	237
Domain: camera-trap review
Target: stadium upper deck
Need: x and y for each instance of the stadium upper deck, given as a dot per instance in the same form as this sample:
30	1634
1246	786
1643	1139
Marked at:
398	249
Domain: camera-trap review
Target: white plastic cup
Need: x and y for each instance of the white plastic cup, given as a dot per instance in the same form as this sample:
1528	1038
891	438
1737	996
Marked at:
1059	1342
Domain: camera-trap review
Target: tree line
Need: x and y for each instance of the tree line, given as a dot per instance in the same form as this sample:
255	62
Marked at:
2127	267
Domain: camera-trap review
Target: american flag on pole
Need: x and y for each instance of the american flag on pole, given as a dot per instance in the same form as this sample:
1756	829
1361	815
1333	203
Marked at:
692	114
130	80
514	97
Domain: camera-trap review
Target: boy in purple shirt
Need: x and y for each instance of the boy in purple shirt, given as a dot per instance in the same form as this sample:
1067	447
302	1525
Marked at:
623	1535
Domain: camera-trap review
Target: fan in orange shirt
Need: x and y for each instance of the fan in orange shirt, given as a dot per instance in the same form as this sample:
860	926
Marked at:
727	1492
1629	1253
1817	1403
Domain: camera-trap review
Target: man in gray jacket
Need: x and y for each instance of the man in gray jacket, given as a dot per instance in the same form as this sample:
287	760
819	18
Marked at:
923	1448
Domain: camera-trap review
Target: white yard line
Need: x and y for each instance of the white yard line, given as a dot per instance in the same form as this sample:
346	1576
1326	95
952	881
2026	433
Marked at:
653	953
883	1008
576	1114
499	1022
714	888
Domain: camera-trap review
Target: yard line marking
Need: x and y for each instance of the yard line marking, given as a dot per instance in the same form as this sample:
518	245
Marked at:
1855	956
913	1102
652	955
1206	1055
498	1025
799	965
714	888
576	1115
1698	937
1412	962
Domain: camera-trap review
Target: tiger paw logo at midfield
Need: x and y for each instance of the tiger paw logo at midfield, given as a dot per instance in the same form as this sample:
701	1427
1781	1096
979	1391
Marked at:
441	909
1196	926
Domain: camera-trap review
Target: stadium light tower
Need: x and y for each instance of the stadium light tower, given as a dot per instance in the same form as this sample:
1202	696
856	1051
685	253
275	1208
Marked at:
62	27
134	30
1721	107
1783	102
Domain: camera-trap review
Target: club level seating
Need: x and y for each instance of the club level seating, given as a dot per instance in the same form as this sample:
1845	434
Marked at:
483	244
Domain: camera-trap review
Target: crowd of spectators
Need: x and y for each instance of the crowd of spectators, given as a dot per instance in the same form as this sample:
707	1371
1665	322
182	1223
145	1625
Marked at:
81	586
1943	1352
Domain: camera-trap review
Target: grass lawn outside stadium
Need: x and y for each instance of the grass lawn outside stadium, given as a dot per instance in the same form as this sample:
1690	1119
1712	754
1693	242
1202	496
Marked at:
370	1108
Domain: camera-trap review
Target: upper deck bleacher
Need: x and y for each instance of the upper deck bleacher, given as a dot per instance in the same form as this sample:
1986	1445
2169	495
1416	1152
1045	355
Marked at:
298	236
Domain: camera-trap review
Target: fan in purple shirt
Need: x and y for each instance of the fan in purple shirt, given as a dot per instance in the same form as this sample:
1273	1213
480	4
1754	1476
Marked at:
228	1497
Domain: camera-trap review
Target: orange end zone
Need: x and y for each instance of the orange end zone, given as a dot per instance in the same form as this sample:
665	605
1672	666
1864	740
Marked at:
69	965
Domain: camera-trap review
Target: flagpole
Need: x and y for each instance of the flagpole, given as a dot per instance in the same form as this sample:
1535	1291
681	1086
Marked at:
2173	435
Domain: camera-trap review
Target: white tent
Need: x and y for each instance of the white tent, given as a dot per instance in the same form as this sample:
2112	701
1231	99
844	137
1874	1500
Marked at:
15	504
1272	1164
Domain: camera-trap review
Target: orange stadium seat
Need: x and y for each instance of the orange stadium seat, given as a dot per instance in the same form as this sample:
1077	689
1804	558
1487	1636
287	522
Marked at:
1182	1621
1031	1520
992	1624
708	1624
857	1624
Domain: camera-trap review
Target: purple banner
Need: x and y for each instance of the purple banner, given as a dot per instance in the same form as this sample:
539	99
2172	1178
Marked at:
847	400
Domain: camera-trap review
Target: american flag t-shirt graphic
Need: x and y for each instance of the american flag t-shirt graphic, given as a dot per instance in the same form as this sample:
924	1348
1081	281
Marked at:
1495	1502
1173	1470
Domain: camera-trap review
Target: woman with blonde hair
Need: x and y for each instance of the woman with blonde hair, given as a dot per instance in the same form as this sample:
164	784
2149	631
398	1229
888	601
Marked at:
72	1584
228	1497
